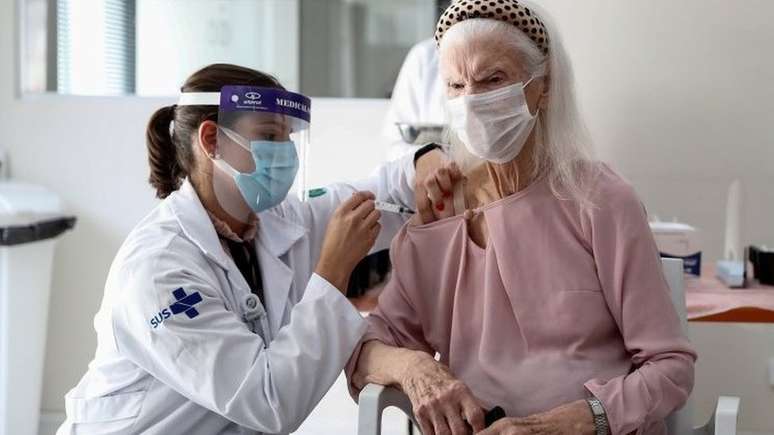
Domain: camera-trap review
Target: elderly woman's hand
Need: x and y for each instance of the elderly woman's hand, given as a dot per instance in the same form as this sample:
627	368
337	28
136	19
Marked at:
442	404
435	182
571	419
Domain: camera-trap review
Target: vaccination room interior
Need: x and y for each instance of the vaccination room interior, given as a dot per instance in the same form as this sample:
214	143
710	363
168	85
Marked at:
387	217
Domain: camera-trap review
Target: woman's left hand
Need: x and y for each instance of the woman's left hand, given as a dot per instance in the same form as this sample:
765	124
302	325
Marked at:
571	419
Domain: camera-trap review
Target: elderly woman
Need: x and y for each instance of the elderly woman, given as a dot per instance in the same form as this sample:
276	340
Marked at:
546	296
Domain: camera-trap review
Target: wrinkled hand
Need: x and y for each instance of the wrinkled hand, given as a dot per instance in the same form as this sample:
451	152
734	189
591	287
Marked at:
571	419
351	233
442	404
436	179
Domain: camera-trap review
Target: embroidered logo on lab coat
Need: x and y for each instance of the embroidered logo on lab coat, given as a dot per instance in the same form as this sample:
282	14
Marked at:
184	303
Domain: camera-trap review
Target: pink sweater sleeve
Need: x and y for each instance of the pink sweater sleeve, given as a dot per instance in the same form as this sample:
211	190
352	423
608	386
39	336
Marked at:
630	272
395	321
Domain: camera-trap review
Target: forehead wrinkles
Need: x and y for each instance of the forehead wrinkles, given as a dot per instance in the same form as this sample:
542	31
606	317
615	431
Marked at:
477	58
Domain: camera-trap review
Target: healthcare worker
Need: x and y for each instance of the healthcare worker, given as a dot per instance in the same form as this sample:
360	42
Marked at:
223	310
418	96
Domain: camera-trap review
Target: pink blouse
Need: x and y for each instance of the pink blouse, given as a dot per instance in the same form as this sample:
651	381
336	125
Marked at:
562	303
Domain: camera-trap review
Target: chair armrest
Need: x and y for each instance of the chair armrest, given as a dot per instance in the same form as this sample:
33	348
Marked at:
726	415
725	418
372	401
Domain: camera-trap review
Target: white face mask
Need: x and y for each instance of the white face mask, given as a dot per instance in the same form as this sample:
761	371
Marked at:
494	125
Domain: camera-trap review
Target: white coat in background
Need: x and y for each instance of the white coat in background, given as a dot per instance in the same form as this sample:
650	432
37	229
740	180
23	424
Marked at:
231	366
418	97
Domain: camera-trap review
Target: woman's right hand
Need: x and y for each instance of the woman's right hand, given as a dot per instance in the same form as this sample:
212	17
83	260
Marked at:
442	404
351	233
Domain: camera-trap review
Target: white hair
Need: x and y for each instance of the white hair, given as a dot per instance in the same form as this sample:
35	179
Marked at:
563	151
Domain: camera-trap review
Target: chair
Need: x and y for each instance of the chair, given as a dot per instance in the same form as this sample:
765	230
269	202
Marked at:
374	399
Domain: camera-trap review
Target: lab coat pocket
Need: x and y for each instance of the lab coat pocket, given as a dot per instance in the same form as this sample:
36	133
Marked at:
112	408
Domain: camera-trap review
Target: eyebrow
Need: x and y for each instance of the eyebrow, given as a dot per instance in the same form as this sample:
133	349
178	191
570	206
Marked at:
488	71
497	66
275	119
270	126
270	122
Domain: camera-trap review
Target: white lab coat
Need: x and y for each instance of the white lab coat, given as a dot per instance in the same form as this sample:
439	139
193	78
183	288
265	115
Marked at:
418	97
233	366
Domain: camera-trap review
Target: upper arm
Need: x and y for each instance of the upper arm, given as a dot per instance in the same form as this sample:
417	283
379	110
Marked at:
397	319
631	275
395	322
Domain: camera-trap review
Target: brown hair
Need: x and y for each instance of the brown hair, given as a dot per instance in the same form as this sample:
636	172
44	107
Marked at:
168	136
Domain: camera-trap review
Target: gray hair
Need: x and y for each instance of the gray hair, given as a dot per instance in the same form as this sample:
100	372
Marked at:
564	151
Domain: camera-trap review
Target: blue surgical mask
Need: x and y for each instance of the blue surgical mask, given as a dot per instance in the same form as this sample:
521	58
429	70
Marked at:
276	165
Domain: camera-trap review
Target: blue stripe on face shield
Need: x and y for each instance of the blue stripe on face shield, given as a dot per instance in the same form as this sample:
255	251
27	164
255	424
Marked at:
276	165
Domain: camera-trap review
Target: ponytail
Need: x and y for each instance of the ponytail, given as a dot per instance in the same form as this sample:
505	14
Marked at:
165	170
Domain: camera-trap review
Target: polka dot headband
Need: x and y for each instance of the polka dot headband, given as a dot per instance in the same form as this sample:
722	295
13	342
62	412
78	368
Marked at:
509	11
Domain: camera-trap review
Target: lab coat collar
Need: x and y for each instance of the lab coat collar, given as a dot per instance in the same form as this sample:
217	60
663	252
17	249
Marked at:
276	233
196	223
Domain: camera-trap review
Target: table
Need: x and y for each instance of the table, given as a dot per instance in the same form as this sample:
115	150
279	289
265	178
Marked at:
709	300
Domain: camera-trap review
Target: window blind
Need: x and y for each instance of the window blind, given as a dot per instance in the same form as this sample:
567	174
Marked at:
95	46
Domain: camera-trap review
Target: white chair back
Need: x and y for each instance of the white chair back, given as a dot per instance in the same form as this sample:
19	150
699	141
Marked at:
681	421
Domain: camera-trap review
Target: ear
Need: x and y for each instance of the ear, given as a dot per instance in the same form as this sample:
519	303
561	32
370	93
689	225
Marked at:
208	137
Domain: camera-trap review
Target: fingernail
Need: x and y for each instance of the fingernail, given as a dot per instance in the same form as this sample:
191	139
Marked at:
440	206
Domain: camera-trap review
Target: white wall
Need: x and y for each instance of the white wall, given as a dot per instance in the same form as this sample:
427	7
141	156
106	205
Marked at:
733	361
677	94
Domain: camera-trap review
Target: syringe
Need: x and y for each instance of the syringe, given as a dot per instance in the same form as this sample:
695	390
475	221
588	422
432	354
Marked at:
392	208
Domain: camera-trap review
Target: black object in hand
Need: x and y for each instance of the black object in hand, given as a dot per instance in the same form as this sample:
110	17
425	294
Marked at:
490	417
493	415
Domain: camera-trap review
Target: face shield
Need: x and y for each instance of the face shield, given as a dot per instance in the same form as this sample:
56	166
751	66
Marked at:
262	145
